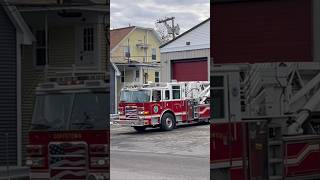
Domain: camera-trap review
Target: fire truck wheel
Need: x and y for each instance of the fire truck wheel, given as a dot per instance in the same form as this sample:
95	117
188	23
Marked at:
167	122
140	128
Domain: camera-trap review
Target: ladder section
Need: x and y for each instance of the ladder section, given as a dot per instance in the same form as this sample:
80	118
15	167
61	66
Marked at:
196	112
275	153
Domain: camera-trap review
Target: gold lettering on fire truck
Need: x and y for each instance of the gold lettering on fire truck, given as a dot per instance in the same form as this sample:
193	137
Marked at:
217	135
67	136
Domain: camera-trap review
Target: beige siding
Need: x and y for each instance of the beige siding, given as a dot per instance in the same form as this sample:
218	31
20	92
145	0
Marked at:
62	46
30	78
167	57
104	46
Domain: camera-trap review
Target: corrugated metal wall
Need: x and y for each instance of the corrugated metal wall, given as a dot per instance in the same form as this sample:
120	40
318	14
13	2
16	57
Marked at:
8	101
260	31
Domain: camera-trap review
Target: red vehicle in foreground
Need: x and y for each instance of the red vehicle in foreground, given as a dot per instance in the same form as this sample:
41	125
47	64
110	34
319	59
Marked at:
69	138
164	105
265	123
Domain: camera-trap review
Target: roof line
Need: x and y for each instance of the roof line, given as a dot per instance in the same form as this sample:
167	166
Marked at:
122	28
186	32
116	46
18	21
144	28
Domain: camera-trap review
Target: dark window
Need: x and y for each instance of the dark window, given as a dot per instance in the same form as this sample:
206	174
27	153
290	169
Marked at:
217	92
122	76
167	95
156	96
154	54
126	51
137	73
176	92
88	39
41	50
156	77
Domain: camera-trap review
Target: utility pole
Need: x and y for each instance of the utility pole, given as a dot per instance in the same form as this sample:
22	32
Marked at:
174	30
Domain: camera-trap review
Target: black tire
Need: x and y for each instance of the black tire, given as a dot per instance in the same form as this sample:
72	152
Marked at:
167	122
139	128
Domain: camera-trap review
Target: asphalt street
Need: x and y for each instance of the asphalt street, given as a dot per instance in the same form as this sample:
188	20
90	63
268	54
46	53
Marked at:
155	155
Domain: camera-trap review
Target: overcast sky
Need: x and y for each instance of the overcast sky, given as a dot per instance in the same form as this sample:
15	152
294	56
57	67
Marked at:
144	13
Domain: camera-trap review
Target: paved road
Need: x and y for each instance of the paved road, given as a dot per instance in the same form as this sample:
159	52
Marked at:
154	155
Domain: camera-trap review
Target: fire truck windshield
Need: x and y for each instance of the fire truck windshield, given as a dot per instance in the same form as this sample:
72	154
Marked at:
74	111
135	96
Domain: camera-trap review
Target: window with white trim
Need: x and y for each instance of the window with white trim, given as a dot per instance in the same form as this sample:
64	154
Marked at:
154	55
88	39
156	76
176	92
126	51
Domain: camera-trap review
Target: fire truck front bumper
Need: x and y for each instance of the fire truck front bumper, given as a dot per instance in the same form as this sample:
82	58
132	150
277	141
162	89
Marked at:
129	122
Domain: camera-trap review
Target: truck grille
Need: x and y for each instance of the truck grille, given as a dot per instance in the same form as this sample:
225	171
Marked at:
68	160
131	112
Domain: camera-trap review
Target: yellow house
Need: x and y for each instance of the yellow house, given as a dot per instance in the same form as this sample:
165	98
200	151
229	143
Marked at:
135	57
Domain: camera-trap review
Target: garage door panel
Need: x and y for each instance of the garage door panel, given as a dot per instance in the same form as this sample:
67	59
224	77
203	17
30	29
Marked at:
189	70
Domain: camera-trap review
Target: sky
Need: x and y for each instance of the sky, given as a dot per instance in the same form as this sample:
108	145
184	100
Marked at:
145	13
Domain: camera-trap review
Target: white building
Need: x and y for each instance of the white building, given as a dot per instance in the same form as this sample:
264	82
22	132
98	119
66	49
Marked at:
187	57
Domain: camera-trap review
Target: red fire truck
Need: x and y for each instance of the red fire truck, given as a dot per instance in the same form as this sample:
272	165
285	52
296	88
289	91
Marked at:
164	105
266	121
69	137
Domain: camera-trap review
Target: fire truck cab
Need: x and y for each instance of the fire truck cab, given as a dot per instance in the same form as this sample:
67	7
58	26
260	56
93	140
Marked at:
69	135
164	105
265	123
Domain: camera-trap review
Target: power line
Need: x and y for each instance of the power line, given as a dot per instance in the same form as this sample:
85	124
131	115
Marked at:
55	5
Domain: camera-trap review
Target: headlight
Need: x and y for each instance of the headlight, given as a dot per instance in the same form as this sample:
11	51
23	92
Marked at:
35	162
99	162
29	162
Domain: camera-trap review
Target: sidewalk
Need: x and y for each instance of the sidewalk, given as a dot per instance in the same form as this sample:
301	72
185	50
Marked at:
15	173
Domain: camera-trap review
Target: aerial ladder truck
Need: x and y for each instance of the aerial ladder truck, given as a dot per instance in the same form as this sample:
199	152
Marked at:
164	105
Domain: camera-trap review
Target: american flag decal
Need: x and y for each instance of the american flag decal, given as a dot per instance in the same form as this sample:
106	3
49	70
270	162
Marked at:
131	112
68	160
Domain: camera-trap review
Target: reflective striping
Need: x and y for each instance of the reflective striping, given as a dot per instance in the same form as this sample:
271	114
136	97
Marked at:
204	110
302	155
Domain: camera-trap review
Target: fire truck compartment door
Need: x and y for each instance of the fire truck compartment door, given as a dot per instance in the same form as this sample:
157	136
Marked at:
258	155
190	110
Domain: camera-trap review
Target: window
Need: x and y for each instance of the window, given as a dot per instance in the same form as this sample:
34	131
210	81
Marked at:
126	51
122	76
156	77
88	39
145	78
156	95
176	92
137	74
154	54
166	95
41	50
217	92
